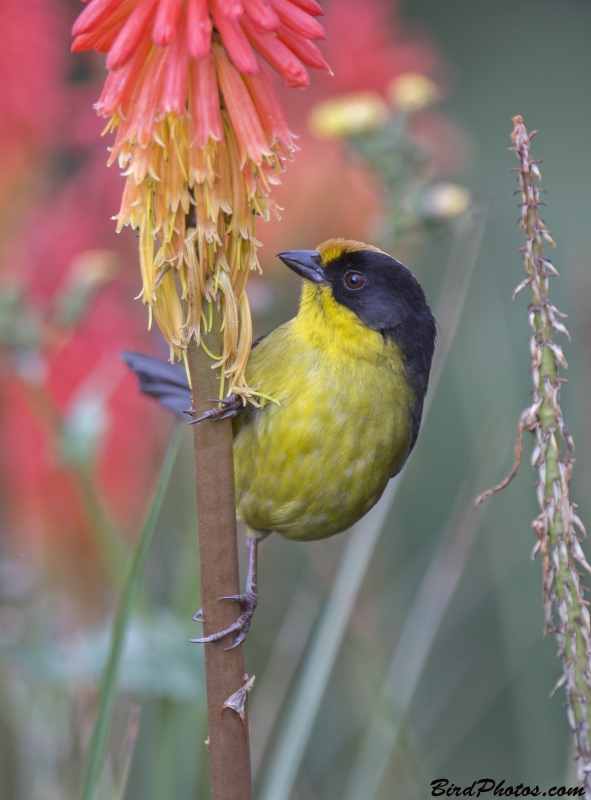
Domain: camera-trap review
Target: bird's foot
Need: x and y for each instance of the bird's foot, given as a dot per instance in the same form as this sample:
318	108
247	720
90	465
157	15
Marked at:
248	602
230	407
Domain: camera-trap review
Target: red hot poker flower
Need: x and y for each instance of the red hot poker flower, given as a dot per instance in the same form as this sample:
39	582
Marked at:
201	138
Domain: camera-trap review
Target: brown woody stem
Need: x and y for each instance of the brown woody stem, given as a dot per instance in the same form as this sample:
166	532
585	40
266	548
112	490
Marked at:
229	752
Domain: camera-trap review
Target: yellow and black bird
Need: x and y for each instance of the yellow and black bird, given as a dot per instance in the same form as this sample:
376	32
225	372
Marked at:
349	374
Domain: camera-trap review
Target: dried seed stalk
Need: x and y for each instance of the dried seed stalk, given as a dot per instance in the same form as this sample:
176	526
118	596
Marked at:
556	526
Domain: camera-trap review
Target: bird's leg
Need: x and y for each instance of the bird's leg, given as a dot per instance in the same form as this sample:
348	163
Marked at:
247	601
230	407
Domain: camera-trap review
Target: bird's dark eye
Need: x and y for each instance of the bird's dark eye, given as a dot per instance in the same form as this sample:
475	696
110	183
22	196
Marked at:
354	280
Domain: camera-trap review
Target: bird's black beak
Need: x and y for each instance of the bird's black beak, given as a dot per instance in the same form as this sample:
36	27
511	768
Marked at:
306	263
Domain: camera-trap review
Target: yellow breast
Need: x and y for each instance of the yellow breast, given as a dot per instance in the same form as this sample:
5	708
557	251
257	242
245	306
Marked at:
317	462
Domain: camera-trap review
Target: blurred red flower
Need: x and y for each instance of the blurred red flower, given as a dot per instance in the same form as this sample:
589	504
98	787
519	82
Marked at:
368	45
79	366
31	65
67	199
31	95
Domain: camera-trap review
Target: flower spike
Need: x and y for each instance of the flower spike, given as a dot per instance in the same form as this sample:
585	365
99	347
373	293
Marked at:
201	139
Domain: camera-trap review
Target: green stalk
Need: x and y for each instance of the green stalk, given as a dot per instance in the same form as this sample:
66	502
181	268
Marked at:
566	612
556	524
100	736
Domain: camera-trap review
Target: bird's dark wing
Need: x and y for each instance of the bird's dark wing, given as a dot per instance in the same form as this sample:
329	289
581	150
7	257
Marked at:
258	340
164	381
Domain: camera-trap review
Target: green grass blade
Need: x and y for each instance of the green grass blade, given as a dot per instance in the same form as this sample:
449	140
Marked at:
109	539
418	635
293	739
129	742
108	696
273	685
319	662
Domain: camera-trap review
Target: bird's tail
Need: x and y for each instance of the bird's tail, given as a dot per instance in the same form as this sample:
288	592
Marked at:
161	380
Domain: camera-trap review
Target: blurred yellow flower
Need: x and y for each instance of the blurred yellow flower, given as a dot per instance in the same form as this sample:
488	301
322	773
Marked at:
347	115
412	91
91	267
446	200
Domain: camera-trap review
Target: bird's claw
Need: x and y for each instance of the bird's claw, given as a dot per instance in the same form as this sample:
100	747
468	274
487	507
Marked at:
248	602
198	615
230	407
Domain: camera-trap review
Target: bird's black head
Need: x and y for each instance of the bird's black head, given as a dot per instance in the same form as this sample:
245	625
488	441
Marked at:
382	294
377	288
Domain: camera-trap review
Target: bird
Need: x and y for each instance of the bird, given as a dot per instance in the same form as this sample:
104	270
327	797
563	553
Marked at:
348	376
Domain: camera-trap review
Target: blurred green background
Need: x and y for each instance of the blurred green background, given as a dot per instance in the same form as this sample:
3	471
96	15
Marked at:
442	669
